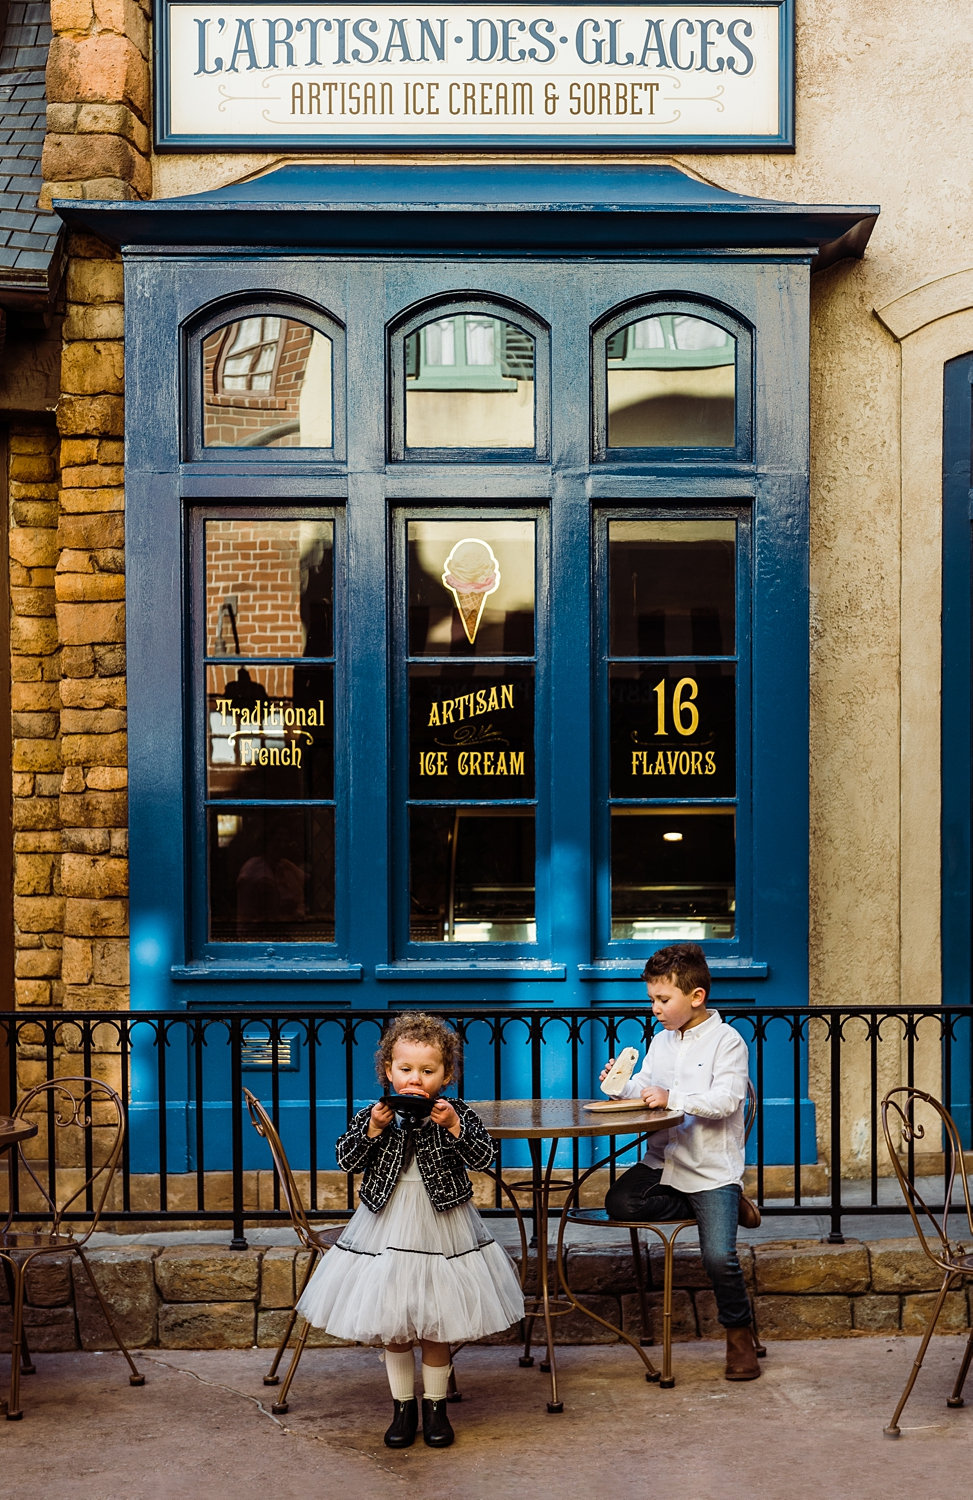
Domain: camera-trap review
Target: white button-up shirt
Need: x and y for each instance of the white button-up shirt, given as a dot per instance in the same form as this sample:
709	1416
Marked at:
705	1070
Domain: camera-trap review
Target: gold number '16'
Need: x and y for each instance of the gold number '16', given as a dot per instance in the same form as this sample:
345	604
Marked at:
685	714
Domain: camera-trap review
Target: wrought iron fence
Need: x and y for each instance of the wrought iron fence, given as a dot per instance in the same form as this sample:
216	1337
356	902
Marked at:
190	1156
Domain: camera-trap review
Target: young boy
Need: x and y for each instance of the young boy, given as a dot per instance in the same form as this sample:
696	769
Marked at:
697	1065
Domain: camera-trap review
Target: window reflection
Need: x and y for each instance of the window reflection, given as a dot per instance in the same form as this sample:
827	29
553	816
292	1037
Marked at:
270	732
269	729
671	383
271	875
672	588
269	588
267	383
469	383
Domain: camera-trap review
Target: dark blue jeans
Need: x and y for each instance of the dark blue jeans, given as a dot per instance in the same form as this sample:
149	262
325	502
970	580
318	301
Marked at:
639	1194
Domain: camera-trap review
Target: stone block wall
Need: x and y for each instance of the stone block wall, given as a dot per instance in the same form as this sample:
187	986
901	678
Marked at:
66	548
90	589
202	1296
35	669
99	109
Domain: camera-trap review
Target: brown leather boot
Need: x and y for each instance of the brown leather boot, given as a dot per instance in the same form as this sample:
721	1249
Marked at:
748	1214
741	1354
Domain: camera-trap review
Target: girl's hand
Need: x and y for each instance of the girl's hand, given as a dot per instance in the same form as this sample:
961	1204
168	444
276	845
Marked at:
606	1070
445	1115
655	1097
379	1119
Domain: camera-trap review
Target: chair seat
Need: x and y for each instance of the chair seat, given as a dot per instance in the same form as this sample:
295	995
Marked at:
600	1216
962	1263
325	1238
25	1240
588	1216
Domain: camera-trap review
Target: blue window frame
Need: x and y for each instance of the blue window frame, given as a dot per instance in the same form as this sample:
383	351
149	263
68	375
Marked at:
544	910
453	349
472	727
266	765
672	379
674	835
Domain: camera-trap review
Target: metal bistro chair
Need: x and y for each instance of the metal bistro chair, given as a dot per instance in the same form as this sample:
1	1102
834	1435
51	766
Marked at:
93	1111
898	1114
317	1241
667	1231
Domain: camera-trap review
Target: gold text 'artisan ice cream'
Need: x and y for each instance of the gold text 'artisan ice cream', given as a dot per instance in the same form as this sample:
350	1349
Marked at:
471	573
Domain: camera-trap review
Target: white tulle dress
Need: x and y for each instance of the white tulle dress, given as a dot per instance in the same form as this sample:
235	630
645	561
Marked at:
408	1272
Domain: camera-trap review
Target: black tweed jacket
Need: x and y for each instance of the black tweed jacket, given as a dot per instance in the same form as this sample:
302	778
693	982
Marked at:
442	1159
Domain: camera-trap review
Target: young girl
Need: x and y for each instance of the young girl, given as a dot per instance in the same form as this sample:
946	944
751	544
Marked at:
415	1263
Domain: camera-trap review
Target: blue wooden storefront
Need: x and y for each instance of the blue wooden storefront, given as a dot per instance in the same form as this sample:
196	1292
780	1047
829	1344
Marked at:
589	268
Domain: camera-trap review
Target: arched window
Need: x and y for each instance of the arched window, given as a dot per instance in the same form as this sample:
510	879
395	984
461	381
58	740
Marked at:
467	379
672	376
265	376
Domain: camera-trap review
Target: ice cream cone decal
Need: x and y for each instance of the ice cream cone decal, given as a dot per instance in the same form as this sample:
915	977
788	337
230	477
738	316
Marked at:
471	573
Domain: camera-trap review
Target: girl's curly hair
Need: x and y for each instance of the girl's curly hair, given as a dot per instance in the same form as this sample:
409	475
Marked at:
417	1026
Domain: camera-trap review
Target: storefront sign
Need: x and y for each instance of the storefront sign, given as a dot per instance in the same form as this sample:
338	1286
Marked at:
655	76
471	733
673	731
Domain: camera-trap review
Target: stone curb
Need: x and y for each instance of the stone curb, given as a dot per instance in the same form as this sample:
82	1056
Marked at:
204	1296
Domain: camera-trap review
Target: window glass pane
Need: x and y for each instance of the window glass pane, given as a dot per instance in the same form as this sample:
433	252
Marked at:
672	588
481	341
672	873
471	732
471	595
469	383
471	588
671	383
440	342
267	383
673	730
271	874
471	875
269	588
270	732
268	727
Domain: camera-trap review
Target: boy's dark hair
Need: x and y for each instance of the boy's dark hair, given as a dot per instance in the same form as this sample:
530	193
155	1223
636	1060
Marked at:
682	963
417	1026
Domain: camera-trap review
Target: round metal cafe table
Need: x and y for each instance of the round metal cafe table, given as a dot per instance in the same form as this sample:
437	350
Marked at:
554	1120
12	1132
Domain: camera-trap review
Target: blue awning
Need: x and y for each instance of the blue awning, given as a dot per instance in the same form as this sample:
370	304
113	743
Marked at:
480	209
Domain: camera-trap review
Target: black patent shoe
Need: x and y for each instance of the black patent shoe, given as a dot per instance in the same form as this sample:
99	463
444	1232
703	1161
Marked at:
436	1431
405	1422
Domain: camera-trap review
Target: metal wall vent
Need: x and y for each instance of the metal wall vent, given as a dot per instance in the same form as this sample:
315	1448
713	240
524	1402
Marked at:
257	1054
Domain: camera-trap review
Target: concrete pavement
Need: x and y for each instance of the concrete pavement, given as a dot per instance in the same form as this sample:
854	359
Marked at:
202	1427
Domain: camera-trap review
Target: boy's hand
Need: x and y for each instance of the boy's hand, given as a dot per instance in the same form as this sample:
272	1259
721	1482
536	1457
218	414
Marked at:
379	1119
606	1070
655	1097
445	1115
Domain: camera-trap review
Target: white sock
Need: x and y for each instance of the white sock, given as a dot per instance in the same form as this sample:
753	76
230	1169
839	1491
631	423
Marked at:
435	1381
401	1371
